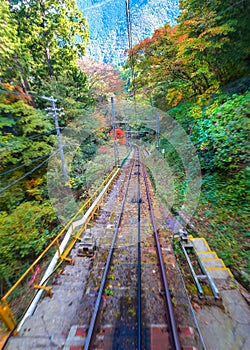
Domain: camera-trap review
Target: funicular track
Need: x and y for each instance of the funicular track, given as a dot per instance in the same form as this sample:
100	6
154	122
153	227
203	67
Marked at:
136	310
129	263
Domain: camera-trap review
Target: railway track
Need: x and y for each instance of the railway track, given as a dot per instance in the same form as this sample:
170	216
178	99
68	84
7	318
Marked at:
134	277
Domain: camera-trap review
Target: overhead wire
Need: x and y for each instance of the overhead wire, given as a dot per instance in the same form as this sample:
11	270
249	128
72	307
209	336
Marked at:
44	133
130	44
23	165
26	174
22	93
3	91
12	145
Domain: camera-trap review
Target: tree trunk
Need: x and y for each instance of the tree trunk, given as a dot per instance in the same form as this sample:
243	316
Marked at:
24	81
47	51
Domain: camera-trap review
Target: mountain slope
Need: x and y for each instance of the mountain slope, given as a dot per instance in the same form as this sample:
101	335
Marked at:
108	26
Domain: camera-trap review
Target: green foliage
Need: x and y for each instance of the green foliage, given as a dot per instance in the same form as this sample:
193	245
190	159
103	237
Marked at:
40	42
23	235
23	136
207	49
26	219
230	192
109	292
221	132
222	216
8	32
71	92
52	35
78	174
220	33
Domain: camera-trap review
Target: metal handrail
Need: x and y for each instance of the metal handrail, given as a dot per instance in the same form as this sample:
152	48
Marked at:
58	236
5	312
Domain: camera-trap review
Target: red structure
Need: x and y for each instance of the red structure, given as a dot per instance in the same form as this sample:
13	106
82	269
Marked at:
120	135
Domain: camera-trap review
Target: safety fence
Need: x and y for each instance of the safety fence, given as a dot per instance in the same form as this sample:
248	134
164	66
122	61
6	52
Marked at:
18	302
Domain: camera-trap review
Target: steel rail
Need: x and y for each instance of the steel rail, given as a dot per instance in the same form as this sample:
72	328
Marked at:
174	338
90	333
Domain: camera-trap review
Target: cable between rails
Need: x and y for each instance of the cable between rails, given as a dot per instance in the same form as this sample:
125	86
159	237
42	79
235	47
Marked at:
170	312
139	333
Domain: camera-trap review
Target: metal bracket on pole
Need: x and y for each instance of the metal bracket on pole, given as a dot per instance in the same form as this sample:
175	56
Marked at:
54	113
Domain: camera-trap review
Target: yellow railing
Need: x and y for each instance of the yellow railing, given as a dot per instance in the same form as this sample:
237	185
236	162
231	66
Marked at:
5	312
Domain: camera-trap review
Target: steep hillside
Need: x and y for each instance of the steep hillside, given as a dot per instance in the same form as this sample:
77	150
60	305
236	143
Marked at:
108	27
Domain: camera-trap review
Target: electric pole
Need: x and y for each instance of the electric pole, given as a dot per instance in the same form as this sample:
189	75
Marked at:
116	154
157	131
148	136
54	113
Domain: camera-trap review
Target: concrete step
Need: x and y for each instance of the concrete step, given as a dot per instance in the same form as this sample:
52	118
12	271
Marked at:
206	255
200	245
219	273
211	262
214	266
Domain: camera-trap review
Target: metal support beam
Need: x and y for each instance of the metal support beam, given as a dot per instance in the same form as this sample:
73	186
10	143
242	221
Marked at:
157	144
54	113
116	154
65	173
148	136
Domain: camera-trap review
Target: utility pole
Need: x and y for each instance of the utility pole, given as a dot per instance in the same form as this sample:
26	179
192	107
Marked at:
157	145
116	154
128	135
54	112
148	136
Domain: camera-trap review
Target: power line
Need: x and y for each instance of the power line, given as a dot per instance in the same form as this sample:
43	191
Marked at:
20	93
54	113
21	166
45	133
32	137
28	173
42	134
33	95
130	44
129	31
